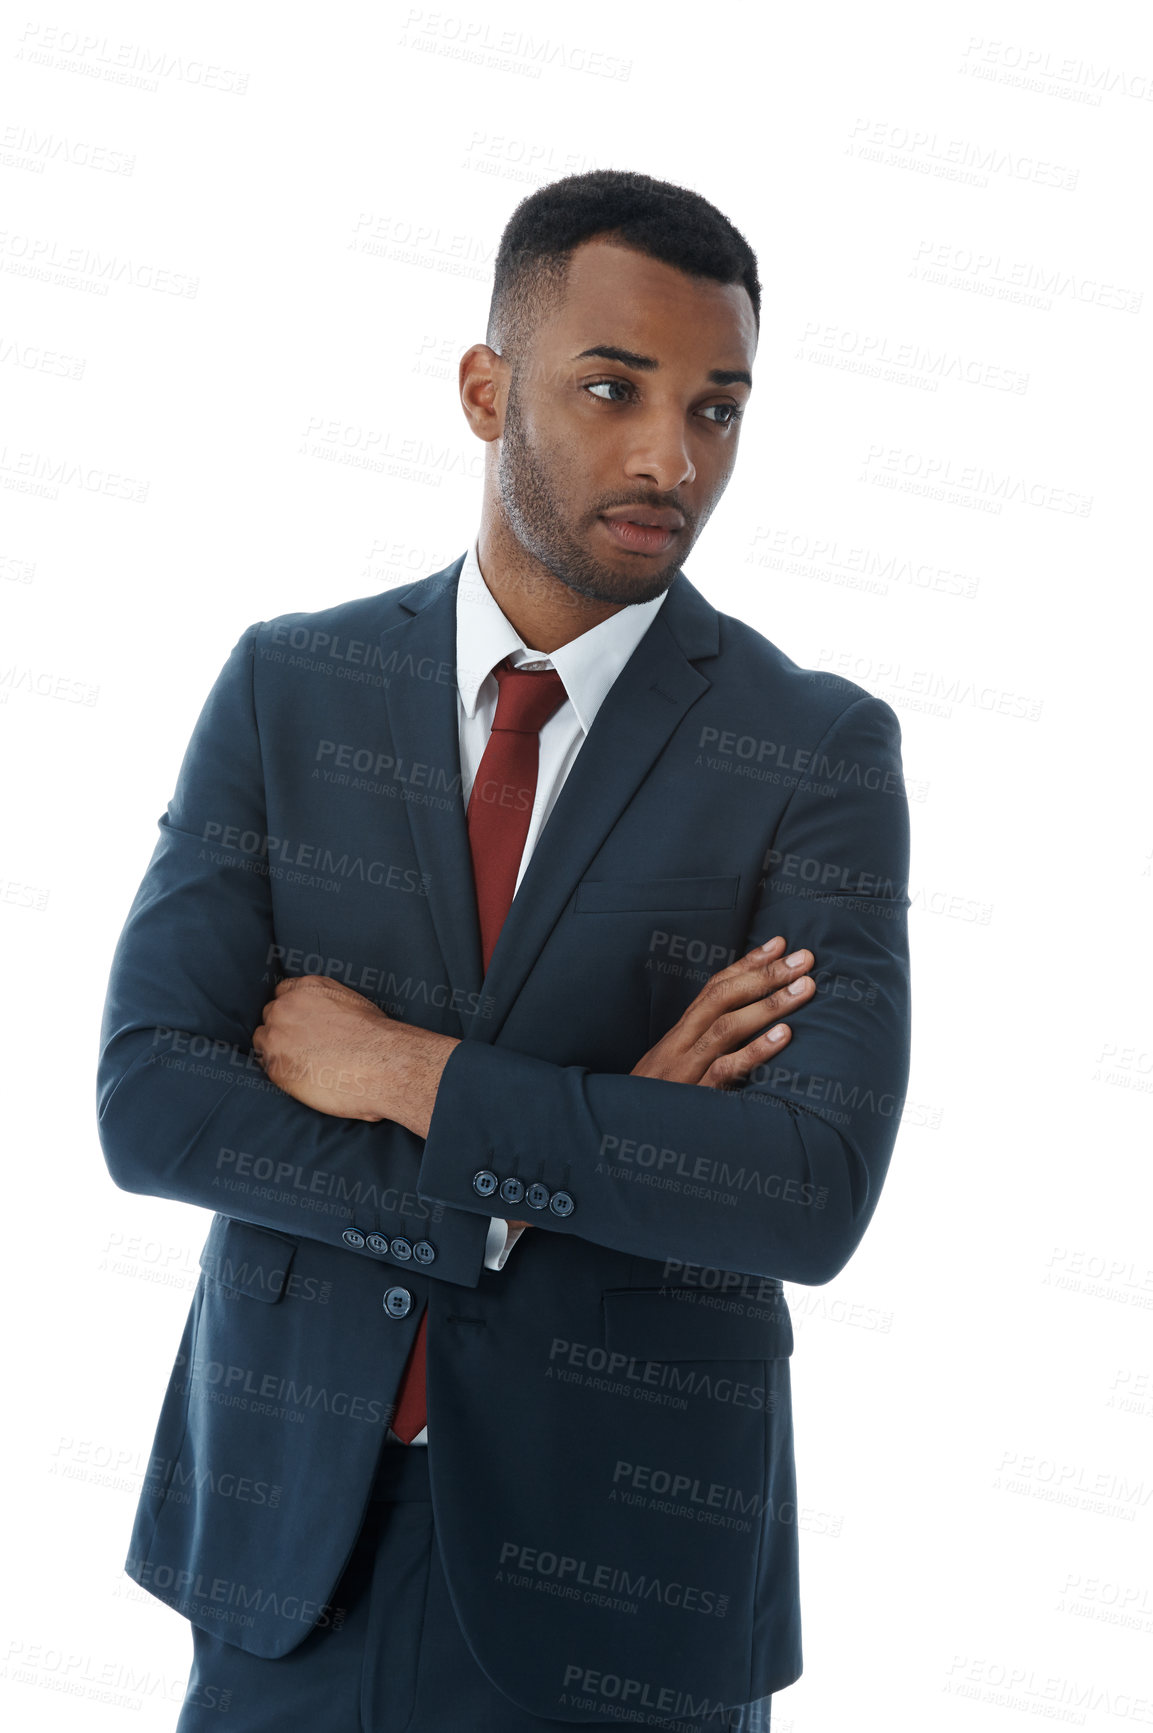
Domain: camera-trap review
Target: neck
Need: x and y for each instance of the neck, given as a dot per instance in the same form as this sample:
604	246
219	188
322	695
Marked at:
544	610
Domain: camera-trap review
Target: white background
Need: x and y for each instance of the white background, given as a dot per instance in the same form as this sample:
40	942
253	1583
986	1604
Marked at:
944	201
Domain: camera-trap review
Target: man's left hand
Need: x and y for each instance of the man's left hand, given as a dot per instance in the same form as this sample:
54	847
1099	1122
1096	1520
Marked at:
336	1051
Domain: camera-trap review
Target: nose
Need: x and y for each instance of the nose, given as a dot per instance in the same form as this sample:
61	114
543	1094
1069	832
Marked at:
660	452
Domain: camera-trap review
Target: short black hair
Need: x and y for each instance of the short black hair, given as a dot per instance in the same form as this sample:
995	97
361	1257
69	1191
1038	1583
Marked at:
668	222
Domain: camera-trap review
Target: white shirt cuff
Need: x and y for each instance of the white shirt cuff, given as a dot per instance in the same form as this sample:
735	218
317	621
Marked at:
502	1237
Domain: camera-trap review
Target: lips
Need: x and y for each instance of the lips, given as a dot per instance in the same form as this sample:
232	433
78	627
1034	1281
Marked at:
648	517
639	538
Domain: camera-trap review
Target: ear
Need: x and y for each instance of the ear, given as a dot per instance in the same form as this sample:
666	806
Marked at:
484	377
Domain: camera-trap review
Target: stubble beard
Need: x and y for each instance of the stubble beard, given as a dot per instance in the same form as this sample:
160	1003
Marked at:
537	520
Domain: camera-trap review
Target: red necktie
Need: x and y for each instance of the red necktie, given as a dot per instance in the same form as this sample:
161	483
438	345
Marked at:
499	809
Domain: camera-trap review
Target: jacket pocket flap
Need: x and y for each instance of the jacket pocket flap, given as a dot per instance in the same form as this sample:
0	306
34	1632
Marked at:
601	896
247	1259
681	1324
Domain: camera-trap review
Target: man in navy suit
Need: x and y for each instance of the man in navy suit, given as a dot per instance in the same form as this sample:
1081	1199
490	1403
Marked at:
455	989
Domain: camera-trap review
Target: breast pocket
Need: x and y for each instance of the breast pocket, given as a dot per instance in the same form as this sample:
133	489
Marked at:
611	896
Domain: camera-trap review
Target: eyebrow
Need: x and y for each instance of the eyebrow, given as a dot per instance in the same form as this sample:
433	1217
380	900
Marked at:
649	364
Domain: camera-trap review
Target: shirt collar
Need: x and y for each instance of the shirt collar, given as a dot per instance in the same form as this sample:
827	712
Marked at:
588	664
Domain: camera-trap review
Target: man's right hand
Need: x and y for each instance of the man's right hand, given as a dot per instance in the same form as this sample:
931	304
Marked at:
717	1041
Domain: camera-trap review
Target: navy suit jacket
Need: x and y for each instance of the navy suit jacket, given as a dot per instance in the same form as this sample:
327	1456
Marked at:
612	1447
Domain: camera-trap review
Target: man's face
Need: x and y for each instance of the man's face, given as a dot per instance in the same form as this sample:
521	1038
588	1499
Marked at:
589	434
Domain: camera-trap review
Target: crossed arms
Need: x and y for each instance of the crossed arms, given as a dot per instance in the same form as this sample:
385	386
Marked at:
781	1156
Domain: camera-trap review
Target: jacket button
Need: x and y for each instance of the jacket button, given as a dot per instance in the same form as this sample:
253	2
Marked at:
377	1242
424	1251
397	1302
537	1195
401	1248
352	1237
512	1189
561	1203
484	1182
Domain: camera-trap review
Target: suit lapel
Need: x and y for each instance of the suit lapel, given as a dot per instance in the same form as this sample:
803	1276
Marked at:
642	708
419	662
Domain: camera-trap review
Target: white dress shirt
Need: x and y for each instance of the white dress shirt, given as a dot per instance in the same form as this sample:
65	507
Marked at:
588	666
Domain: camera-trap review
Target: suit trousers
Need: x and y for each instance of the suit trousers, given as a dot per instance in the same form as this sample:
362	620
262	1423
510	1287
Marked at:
392	1657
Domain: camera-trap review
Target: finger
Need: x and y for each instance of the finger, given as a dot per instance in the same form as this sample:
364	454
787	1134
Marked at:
758	972
731	1029
778	962
775	977
780	1003
771	948
769	952
728	994
730	1068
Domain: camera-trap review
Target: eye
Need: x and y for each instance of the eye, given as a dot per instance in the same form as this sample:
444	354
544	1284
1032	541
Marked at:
597	384
734	409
